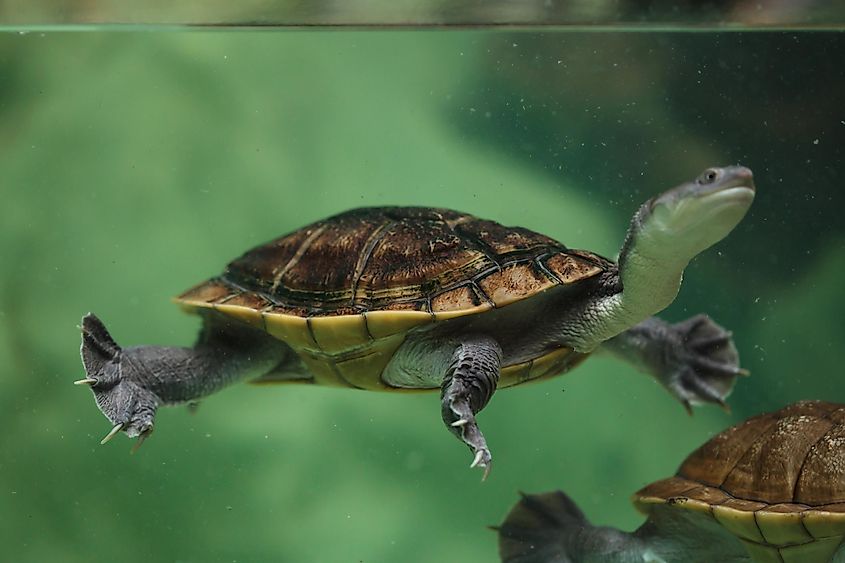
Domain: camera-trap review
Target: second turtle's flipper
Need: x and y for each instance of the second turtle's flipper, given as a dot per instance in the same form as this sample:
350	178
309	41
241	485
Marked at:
467	387
695	359
550	528
535	529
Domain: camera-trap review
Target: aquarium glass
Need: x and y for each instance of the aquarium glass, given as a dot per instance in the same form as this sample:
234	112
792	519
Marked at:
136	160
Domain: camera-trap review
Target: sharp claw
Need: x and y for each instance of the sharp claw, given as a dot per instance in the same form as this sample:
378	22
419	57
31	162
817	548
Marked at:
86	381
742	372
141	437
478	461
112	433
687	406
725	407
460	422
478	455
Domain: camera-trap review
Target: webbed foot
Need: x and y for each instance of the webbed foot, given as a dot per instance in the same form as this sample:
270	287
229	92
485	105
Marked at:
128	406
702	363
696	359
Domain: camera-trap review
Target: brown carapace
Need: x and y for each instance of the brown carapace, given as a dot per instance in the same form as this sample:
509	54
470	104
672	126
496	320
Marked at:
344	291
400	258
777	481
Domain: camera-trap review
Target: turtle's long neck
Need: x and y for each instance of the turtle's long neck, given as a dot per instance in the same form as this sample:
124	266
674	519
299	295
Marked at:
649	272
650	268
649	283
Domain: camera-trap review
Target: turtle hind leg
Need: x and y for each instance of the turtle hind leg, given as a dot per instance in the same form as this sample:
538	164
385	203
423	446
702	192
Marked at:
695	359
467	387
127	405
129	384
98	347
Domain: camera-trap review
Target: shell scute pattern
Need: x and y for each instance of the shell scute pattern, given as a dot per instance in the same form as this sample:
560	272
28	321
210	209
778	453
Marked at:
503	241
777	457
776	481
395	259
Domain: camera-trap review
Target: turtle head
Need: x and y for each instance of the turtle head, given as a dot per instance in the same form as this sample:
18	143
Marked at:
680	223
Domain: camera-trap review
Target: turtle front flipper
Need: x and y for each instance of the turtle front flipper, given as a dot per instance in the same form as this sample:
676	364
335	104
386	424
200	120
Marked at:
467	387
695	359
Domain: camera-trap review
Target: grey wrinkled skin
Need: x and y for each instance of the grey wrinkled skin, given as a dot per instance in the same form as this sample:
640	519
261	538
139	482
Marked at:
131	383
467	388
696	359
550	528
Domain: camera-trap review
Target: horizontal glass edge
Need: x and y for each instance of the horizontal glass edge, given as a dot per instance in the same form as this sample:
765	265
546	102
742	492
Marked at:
528	27
429	14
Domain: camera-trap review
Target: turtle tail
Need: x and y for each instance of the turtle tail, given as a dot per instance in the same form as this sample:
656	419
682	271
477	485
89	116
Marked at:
536	529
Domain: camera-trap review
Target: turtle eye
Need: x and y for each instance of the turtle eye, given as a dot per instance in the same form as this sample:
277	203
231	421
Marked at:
708	176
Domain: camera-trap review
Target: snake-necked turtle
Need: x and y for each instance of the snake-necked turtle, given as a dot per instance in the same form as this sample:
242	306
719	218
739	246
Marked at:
770	490
398	298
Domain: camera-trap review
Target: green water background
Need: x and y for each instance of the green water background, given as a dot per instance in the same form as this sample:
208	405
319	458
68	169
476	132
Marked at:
133	165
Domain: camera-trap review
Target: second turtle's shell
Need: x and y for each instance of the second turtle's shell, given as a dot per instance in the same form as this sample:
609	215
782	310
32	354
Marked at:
777	481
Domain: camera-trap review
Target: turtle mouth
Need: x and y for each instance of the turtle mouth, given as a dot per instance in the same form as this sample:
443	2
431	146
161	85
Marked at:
736	185
735	188
703	220
738	194
736	177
